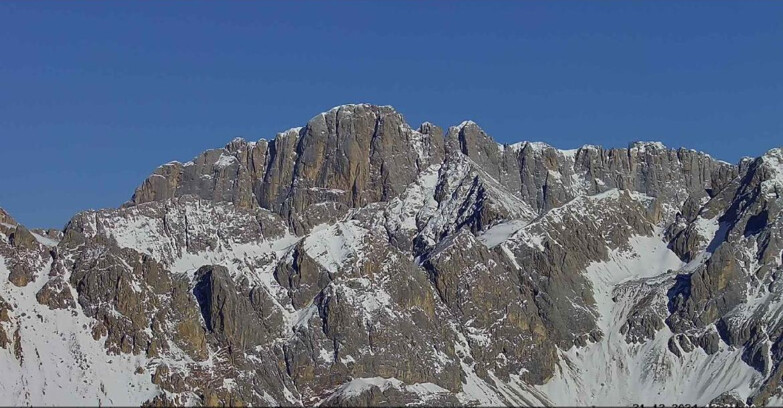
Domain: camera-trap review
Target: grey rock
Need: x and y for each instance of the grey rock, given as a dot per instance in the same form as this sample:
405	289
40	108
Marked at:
228	314
5	310
56	294
727	399
642	323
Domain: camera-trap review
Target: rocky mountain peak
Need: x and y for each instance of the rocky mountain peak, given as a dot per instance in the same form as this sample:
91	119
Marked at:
773	160
348	154
6	218
356	261
644	146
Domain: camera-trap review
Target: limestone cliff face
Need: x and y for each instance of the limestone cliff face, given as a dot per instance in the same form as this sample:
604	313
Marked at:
357	261
355	155
351	156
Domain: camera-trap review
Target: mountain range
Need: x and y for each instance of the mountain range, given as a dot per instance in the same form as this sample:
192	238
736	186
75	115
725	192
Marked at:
358	261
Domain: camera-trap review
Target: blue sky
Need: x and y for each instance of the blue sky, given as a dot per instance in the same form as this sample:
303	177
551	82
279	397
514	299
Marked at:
95	95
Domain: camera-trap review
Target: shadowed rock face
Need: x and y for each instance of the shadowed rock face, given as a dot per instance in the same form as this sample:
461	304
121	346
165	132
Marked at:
235	318
356	261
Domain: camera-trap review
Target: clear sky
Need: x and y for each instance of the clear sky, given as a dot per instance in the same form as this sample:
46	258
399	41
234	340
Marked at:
95	95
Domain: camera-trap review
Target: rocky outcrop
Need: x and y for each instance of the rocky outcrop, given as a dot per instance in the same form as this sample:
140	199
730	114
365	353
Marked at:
229	315
56	293
505	329
352	156
5	308
6	221
24	255
643	323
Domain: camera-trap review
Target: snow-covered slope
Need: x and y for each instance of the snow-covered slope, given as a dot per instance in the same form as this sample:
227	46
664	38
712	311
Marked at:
614	372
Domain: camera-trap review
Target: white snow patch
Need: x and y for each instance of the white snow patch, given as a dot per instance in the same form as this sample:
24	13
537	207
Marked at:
642	147
327	190
44	240
462	125
499	233
570	153
225	160
359	385
334	245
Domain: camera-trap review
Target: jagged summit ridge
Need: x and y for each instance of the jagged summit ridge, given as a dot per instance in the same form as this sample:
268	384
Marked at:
347	154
